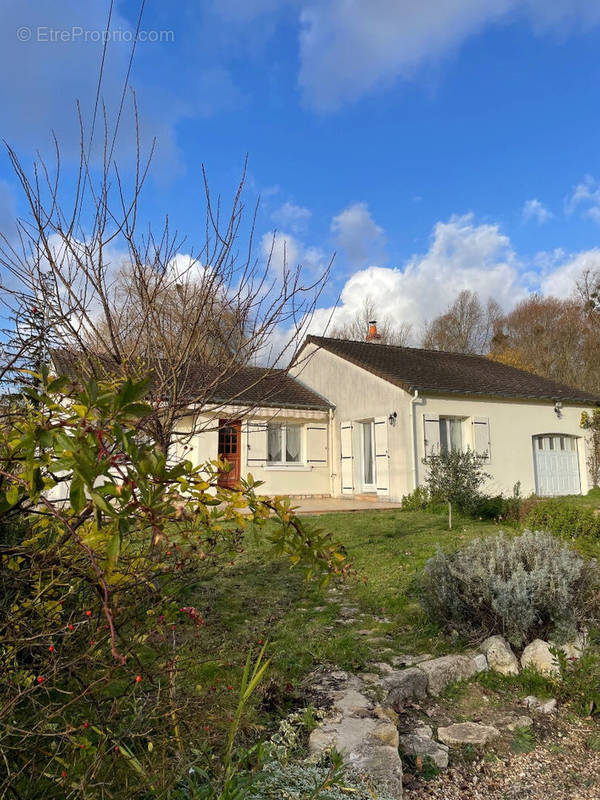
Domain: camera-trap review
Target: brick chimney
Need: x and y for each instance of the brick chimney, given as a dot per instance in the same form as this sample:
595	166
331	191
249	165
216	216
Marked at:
372	335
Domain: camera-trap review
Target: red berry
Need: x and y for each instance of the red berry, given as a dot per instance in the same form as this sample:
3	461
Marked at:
86	724
207	728
116	748
230	688
51	648
92	642
173	627
168	552
70	627
64	773
260	641
138	679
40	679
88	613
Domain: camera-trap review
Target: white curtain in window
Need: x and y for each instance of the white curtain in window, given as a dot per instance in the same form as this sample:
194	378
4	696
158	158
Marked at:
455	434
293	442
274	443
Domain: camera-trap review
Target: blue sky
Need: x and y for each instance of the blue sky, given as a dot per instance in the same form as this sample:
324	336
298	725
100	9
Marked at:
435	146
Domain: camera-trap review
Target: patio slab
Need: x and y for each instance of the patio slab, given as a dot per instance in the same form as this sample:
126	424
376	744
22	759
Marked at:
334	505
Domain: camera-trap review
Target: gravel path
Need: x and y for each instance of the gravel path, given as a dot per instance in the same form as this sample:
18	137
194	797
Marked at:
563	767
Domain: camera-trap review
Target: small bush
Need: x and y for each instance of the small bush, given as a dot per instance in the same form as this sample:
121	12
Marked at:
524	587
416	501
564	519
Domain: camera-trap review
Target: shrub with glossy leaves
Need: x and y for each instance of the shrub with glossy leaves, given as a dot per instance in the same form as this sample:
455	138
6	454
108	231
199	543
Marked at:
523	587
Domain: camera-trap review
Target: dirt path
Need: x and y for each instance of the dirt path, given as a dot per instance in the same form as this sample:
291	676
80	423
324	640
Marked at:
565	766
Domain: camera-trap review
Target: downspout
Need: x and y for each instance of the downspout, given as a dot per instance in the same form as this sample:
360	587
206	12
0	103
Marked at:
413	440
331	472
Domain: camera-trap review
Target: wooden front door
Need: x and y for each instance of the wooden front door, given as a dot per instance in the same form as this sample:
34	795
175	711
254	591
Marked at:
230	435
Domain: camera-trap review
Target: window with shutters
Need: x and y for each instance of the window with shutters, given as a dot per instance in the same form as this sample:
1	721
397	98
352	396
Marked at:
284	443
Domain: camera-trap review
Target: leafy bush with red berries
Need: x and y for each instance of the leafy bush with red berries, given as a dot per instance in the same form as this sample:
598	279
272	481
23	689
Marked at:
99	537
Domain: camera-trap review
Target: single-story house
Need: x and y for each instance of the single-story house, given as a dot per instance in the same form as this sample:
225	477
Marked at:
361	418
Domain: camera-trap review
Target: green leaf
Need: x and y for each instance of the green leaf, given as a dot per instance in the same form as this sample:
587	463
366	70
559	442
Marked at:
12	495
101	503
77	494
130	392
113	549
137	409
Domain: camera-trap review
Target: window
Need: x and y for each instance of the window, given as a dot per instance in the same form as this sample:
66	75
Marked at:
284	444
450	434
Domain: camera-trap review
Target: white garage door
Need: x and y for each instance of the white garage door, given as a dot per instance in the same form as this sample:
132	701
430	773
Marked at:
556	465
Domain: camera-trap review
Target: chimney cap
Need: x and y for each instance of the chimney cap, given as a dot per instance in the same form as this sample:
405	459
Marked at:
372	335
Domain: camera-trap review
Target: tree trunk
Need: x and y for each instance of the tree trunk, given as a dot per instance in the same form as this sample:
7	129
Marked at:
449	516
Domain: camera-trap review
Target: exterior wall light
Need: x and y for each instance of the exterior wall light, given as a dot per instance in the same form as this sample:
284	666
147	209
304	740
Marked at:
392	418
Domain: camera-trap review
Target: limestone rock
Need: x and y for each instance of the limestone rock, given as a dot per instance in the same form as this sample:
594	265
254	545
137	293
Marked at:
405	684
538	655
520	722
481	662
421	743
500	656
549	707
441	672
467	733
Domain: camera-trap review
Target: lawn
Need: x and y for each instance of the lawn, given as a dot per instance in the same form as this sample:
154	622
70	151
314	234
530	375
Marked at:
262	599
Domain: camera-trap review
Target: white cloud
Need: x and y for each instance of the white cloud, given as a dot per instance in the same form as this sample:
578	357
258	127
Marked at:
462	255
292	217
287	251
358	234
585	197
535	210
351	47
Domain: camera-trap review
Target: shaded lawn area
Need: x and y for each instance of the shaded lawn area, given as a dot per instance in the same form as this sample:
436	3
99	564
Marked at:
262	599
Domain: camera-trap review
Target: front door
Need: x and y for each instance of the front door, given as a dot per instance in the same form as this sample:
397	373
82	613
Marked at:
229	450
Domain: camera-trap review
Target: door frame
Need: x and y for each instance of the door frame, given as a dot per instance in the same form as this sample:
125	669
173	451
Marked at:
229	479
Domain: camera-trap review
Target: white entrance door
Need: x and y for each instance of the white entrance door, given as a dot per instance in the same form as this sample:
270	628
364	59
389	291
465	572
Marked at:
556	465
368	457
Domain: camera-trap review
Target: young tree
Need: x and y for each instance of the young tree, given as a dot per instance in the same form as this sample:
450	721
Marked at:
467	326
128	303
357	328
456	478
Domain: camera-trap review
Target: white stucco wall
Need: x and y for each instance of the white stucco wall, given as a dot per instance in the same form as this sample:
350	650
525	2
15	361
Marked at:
359	395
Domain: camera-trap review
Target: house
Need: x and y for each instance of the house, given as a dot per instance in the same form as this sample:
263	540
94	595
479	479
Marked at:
394	406
362	418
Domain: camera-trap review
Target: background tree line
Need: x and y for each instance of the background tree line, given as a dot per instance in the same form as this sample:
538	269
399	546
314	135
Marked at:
558	338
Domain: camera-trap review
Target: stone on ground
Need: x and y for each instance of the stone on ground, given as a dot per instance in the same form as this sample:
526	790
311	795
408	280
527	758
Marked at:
441	672
467	733
421	743
405	684
538	655
500	656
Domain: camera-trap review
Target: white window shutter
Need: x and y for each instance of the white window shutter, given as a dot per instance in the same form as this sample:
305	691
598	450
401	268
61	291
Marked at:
481	438
347	458
316	445
431	431
382	456
257	444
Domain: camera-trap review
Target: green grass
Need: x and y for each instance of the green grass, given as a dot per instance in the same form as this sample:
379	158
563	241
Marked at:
262	599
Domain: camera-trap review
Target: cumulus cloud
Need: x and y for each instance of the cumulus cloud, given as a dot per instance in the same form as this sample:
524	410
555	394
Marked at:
285	251
462	255
292	217
585	197
357	233
351	47
534	210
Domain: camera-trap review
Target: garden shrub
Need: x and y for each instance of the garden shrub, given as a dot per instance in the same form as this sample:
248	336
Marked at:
564	519
418	500
525	587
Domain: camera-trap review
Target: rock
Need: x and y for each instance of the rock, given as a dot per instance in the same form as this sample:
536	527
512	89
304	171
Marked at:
441	672
538	655
574	649
481	662
549	707
410	661
467	733
383	668
546	707
366	735
421	743
386	713
500	656
405	684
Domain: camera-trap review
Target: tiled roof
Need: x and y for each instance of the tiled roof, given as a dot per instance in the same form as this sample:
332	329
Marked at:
439	372
245	386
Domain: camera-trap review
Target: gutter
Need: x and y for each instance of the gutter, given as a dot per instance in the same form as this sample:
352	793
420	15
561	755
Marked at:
413	440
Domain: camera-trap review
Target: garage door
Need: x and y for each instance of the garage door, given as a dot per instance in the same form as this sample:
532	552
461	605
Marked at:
556	465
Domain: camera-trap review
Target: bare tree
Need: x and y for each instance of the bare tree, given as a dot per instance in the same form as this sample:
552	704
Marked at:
357	328
126	302
467	326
